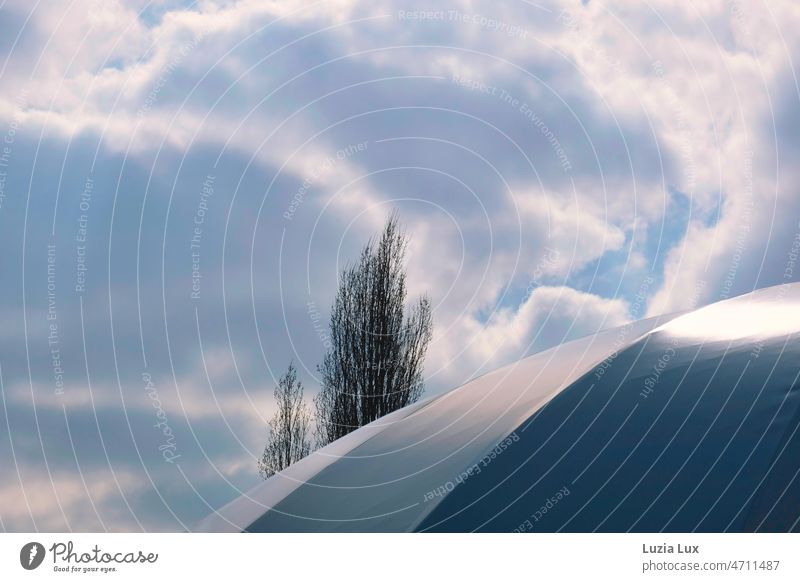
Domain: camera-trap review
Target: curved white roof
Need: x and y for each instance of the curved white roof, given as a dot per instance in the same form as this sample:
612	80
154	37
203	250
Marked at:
674	423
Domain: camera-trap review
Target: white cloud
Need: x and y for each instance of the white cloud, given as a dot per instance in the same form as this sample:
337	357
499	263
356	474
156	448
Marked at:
575	224
91	501
694	97
699	75
547	316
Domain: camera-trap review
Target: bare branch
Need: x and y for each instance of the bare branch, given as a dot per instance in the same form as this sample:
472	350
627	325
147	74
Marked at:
375	362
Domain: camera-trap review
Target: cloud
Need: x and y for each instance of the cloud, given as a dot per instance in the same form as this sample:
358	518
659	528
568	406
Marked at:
546	317
91	501
546	159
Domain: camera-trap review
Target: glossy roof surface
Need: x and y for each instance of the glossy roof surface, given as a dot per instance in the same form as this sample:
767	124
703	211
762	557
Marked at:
679	423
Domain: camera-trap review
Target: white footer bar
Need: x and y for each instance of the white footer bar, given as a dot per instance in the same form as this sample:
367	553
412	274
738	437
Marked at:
417	557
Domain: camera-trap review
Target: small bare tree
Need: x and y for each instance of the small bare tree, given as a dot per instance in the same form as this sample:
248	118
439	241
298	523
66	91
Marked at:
375	362
289	433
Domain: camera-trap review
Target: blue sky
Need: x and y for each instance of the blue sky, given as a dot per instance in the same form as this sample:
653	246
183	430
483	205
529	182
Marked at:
561	167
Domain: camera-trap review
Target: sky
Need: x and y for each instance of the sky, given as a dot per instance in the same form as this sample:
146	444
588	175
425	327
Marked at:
182	182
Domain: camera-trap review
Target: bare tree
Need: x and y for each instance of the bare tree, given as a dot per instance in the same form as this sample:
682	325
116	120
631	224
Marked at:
375	361
289	433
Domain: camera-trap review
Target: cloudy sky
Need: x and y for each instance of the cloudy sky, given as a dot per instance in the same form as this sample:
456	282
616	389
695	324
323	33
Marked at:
181	182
